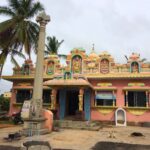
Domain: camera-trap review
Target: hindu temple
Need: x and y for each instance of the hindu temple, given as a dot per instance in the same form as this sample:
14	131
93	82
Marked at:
88	87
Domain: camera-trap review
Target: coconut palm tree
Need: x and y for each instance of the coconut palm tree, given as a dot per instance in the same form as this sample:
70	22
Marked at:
19	31
52	46
4	54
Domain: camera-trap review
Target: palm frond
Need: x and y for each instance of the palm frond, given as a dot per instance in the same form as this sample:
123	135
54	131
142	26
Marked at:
3	57
35	9
18	32
48	48
53	45
14	4
61	42
6	11
13	60
20	54
7	25
46	53
126	57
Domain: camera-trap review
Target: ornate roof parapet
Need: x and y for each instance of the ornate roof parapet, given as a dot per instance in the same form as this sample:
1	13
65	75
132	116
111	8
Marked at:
78	63
106	55
134	57
26	69
75	60
93	56
53	57
74	52
77	51
52	65
136	64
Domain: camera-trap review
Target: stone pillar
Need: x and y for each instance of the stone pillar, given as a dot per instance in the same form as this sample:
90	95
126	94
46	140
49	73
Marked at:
126	98
53	99
34	125
36	103
81	92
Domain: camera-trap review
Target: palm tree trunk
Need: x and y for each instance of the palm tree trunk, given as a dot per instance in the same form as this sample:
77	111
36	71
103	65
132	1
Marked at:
29	56
1	69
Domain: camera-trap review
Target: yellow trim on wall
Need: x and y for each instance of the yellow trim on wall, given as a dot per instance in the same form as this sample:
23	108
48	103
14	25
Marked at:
137	110
136	84
104	84
104	109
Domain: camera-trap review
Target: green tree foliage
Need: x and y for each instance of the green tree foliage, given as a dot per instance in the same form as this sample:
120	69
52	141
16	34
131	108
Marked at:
4	103
52	46
12	53
18	31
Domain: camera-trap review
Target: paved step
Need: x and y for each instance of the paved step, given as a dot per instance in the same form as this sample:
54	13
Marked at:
83	125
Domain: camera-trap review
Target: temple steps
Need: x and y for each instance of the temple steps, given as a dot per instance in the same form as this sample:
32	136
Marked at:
80	125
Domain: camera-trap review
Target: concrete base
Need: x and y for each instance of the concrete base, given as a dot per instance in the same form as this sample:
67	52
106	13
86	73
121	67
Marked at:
37	145
34	126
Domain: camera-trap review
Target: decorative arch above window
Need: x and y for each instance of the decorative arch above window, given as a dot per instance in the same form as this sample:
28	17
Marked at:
50	67
104	66
135	68
76	64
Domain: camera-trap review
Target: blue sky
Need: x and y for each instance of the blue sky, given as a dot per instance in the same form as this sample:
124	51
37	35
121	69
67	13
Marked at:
118	26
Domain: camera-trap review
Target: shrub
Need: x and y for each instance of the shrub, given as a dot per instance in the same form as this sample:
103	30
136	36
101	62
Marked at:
4	103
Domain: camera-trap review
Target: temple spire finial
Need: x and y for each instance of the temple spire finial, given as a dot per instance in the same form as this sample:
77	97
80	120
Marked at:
93	47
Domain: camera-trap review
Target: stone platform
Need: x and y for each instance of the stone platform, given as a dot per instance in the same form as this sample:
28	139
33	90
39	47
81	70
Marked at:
82	125
34	126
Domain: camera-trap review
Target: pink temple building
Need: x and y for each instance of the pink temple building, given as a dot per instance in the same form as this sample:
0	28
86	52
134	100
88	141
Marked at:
89	87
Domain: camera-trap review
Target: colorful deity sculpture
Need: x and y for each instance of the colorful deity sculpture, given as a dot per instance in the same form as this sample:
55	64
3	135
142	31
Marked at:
76	64
50	67
135	67
104	66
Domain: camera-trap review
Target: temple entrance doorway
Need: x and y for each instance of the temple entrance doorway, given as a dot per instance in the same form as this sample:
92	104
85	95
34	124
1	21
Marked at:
72	102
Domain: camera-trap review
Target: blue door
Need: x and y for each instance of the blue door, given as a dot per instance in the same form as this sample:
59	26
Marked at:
62	102
87	104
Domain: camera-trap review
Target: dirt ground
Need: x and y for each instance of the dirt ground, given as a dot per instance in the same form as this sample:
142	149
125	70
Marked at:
5	126
85	140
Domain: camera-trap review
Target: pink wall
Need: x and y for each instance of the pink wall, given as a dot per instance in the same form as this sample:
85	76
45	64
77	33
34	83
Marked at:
13	109
141	118
120	101
95	115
